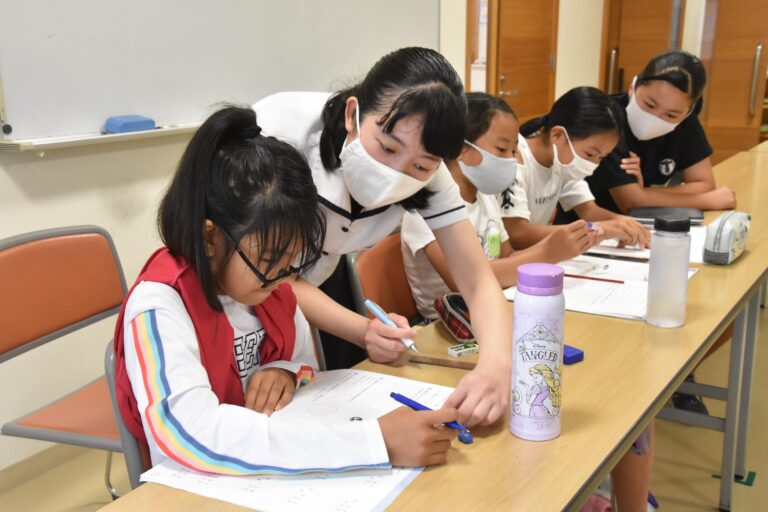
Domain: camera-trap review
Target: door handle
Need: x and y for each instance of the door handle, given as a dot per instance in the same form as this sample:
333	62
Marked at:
753	85
612	69
508	93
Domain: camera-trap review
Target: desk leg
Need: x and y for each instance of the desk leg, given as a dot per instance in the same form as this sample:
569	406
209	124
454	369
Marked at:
732	408
750	346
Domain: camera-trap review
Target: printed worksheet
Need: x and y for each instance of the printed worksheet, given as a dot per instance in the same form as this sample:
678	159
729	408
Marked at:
339	395
611	248
604	286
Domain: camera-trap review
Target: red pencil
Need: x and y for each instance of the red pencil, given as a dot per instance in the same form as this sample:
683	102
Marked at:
603	279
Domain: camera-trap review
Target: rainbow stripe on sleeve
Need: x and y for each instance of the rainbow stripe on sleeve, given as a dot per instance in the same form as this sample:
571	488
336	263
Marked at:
169	434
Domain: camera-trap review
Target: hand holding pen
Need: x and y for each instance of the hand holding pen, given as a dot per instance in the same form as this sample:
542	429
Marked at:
379	313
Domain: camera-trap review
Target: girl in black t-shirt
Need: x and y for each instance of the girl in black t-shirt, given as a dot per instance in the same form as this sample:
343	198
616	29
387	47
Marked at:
663	158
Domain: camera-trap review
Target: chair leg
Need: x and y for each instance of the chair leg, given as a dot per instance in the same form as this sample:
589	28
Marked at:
107	481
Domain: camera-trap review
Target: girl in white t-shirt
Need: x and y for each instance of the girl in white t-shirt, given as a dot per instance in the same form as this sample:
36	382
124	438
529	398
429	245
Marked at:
486	165
376	150
559	150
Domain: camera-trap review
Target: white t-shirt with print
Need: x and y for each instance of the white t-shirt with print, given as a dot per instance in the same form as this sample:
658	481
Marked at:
537	189
294	117
183	419
426	284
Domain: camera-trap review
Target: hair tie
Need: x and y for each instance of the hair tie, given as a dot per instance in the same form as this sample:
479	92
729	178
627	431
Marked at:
251	132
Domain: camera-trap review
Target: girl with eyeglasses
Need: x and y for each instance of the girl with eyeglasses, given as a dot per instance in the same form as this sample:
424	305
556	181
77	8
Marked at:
209	342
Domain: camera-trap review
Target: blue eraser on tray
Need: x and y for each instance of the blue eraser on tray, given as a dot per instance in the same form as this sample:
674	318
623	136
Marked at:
125	124
572	354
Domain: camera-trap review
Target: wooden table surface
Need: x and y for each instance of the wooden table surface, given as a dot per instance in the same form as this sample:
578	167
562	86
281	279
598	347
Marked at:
630	370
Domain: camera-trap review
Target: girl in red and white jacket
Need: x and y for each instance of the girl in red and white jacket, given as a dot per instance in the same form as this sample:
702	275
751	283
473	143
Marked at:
209	341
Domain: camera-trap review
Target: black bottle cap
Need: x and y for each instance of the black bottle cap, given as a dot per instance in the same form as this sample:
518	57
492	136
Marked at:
672	224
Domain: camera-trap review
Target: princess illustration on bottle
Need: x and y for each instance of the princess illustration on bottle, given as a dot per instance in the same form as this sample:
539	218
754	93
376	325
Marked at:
545	385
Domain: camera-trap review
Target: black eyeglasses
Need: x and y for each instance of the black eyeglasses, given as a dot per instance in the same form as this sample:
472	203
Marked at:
281	274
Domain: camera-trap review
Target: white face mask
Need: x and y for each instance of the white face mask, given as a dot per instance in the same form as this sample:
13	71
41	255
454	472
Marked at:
370	182
579	168
491	176
644	125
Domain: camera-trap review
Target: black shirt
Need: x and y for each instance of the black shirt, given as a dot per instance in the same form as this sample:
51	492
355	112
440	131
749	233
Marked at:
662	159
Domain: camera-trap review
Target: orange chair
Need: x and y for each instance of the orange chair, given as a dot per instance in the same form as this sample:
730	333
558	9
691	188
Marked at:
55	282
378	274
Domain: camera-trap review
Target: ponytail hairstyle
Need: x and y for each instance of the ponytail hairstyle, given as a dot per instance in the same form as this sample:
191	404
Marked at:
681	69
246	184
582	111
403	83
481	107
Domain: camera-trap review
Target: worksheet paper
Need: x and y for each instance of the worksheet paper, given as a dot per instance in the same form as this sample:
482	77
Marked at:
625	298
334	396
611	248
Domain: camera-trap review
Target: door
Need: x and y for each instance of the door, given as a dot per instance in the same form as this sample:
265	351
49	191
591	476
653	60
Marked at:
633	33
735	57
525	35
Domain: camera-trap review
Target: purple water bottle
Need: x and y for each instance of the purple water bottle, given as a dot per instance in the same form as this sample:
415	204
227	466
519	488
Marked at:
537	360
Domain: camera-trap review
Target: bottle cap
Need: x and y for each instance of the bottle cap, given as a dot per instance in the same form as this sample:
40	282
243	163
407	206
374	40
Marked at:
672	224
540	279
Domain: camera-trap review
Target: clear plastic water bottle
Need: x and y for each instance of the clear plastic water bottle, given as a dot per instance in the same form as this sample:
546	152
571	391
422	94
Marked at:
668	272
537	361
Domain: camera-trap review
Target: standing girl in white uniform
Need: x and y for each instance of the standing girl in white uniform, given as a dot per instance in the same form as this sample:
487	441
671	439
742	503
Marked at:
486	166
559	150
209	341
377	150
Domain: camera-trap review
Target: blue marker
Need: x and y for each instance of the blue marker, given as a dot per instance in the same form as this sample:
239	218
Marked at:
593	227
465	436
381	315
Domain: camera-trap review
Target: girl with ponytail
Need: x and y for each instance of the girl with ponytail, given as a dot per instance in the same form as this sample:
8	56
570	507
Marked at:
559	150
209	340
376	150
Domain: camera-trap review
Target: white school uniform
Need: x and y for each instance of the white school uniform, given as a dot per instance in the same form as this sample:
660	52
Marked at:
426	284
170	383
537	189
294	117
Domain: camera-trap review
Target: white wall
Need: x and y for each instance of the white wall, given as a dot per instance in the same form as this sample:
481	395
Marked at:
453	33
116	186
578	44
693	25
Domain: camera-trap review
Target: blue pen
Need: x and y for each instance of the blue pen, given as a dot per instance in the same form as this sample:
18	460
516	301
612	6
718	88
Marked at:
593	227
465	436
381	315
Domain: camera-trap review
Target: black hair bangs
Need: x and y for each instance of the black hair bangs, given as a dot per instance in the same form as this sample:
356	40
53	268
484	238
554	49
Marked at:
443	117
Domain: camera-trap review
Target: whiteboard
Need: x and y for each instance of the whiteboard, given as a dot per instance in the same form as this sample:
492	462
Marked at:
67	65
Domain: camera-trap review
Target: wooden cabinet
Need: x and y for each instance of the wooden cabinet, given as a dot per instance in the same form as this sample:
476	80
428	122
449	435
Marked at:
734	50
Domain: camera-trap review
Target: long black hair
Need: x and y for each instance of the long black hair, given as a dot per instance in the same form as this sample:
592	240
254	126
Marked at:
681	69
481	107
582	111
246	184
407	81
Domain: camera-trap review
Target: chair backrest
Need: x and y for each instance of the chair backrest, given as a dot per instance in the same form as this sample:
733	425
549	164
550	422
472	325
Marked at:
378	274
54	282
134	459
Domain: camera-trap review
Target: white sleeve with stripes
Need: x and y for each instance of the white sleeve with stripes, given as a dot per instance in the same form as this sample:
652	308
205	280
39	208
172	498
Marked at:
184	421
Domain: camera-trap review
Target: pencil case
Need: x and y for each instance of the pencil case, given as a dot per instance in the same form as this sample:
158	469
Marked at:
726	238
454	314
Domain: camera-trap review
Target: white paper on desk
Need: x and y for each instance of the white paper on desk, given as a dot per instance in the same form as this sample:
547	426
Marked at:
331	397
619	300
611	247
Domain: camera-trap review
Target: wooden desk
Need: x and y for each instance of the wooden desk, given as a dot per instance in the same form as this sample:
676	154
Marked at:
763	146
630	370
